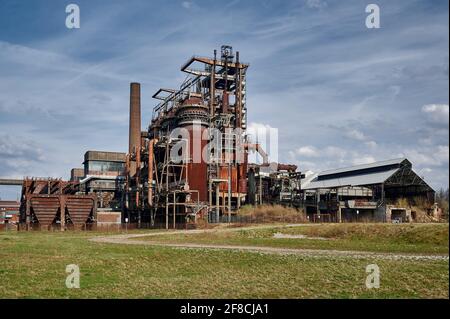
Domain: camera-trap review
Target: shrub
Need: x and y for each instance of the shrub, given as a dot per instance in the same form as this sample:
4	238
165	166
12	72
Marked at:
271	213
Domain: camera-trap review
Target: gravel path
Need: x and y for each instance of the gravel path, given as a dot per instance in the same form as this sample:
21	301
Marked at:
125	239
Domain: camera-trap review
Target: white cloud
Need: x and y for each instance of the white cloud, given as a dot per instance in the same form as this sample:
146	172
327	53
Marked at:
317	4
16	147
259	132
308	151
437	113
429	156
371	144
186	4
355	135
358	135
319	159
19	156
334	151
363	160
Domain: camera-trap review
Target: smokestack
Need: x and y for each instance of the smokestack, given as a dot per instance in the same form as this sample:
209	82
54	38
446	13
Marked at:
135	122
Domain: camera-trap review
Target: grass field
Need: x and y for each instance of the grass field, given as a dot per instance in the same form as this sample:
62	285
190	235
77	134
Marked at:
406	238
32	265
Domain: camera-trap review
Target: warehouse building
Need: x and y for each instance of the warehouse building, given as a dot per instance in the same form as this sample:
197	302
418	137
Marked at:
9	212
381	191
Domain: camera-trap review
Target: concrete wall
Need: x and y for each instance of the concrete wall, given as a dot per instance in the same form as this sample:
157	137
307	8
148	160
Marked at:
399	212
109	218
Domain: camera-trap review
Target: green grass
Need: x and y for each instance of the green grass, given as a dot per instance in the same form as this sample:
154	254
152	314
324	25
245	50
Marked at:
403	238
32	265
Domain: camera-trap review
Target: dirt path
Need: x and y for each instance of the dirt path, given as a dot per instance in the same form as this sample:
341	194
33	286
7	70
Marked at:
125	239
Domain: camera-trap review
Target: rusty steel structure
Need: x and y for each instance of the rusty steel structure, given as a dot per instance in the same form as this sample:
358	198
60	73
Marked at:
208	179
281	186
190	163
48	203
203	124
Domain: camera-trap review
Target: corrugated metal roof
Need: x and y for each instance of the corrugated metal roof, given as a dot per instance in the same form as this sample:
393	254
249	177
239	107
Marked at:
357	180
363	166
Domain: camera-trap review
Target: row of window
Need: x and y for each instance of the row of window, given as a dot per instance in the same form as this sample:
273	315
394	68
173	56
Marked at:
104	166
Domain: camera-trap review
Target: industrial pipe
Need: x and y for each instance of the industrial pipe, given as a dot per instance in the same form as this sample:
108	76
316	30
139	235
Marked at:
261	152
238	92
137	178
150	170
212	93
225	99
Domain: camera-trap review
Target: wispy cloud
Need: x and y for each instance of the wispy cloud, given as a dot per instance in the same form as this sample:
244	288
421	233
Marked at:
186	4
437	113
318	4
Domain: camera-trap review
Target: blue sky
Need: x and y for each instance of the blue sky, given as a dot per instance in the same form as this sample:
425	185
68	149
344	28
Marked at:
340	94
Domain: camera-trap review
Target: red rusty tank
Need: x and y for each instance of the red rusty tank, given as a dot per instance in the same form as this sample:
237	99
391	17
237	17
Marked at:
238	177
193	116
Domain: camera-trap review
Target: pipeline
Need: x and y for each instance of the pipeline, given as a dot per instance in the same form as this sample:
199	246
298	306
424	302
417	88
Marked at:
257	147
150	171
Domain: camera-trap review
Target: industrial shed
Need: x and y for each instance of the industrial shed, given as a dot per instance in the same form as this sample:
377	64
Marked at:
9	212
367	192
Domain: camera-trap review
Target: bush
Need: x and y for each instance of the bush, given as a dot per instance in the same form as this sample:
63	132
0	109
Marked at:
271	213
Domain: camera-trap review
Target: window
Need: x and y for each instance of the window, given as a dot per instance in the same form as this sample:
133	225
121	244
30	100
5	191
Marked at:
103	166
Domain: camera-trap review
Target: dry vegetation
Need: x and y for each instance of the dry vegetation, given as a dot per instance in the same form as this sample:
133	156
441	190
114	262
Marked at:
429	234
421	208
272	213
389	238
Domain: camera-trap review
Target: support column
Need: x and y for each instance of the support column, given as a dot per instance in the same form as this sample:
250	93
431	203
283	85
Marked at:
318	201
260	189
229	192
217	203
62	210
339	216
209	197
174	210
167	210
28	213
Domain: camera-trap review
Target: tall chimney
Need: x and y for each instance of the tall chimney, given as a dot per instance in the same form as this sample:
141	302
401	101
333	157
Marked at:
135	122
